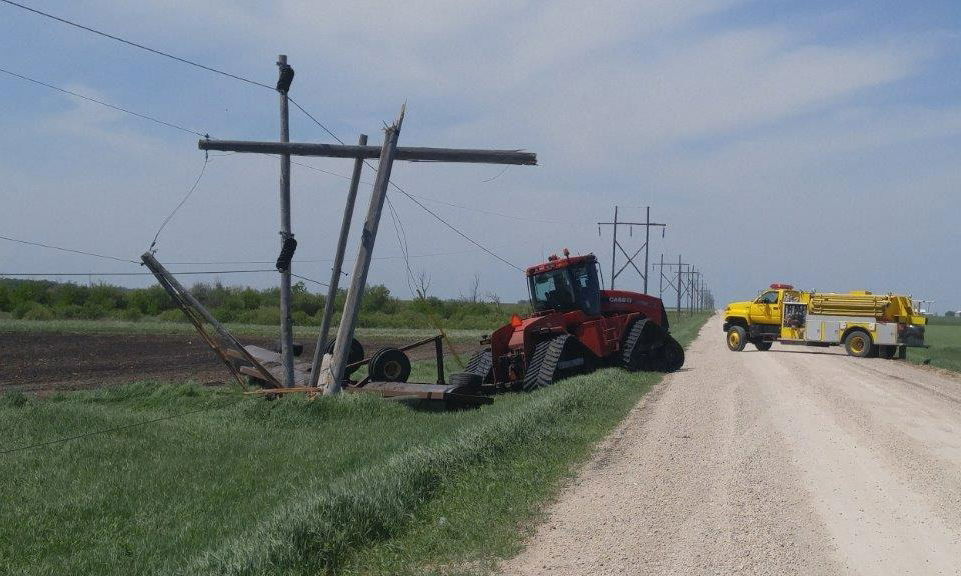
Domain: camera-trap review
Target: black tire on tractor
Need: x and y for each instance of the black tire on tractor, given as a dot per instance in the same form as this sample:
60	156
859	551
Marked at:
466	380
763	345
482	364
887	352
858	344
565	356
389	365
736	338
669	357
356	354
643	337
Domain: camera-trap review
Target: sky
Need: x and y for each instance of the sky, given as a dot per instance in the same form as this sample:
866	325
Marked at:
814	143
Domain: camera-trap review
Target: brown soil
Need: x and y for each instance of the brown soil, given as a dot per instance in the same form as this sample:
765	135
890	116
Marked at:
48	362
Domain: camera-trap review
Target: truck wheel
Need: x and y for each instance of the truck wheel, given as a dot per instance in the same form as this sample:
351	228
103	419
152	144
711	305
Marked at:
887	352
858	343
736	338
763	346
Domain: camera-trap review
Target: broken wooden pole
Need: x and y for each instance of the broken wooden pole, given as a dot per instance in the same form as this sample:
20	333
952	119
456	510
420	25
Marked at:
368	152
336	271
345	333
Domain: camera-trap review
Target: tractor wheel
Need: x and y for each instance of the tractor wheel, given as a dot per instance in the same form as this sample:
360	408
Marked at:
482	364
565	356
887	352
736	338
763	346
669	357
389	365
356	354
858	343
532	371
642	338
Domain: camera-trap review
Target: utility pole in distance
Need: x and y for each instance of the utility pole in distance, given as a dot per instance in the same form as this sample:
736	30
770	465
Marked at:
615	245
673	282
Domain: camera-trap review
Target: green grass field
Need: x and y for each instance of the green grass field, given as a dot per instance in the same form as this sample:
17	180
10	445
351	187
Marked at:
943	335
238	485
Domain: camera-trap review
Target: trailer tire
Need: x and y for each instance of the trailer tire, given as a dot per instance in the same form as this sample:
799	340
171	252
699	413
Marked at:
763	345
356	354
858	344
482	364
389	365
736	338
466	380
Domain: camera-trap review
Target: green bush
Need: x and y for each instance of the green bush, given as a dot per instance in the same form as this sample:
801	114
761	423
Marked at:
38	312
172	316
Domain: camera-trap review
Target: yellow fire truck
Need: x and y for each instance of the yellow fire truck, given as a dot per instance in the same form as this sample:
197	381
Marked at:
866	324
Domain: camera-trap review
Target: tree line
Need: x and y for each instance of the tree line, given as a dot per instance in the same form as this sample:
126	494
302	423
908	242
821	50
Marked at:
47	300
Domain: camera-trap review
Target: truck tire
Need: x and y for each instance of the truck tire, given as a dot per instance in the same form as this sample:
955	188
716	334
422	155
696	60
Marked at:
858	344
482	364
763	345
736	338
887	352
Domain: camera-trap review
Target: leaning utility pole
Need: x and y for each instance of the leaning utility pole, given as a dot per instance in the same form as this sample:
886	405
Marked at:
615	245
335	272
387	154
287	242
345	332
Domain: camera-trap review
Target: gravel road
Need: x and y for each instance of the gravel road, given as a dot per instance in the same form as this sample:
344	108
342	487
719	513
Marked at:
792	461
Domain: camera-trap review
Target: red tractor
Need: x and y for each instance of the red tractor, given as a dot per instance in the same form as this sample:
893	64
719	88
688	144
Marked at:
575	328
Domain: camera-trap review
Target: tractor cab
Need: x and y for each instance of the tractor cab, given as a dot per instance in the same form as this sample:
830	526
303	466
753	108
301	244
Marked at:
568	283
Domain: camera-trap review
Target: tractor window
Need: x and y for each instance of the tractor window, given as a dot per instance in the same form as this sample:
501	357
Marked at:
585	283
551	291
768	298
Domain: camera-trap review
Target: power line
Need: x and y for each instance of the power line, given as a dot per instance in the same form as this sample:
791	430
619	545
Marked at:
137	45
117	428
315	260
181	273
191	191
255	83
101	102
51	246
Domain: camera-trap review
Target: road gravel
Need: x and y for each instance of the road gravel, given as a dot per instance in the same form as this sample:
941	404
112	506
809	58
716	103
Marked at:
791	461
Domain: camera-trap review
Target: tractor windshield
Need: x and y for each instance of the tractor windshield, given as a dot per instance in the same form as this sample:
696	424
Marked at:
567	288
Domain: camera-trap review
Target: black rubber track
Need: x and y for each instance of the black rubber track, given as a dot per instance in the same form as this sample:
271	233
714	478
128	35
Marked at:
482	364
532	372
628	359
562	348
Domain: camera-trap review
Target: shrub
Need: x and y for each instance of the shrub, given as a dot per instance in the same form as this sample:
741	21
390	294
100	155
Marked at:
38	312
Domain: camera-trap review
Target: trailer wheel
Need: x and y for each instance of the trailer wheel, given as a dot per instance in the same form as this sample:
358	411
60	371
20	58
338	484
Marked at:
736	338
482	364
762	345
356	354
389	365
858	344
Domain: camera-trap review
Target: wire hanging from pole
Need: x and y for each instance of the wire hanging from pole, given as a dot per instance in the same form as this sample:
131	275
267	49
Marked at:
189	193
